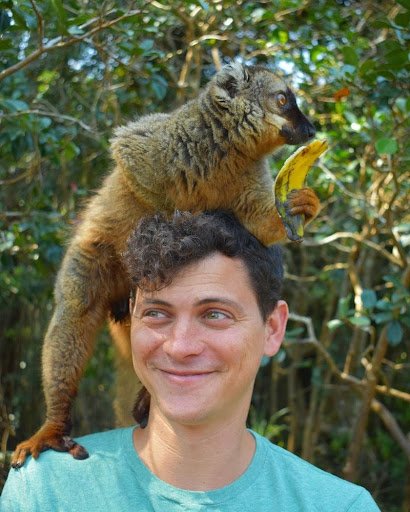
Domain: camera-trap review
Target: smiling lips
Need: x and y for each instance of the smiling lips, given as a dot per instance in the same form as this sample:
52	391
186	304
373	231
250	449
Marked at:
184	376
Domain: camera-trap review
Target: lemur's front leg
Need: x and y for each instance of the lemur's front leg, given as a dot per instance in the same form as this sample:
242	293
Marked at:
79	312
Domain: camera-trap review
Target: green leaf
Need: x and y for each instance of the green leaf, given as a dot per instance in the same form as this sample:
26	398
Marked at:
70	151
6	44
45	122
394	332
397	59
404	3
14	105
386	146
343	306
402	19
369	298
19	19
382	318
48	76
147	45
61	15
366	67
384	305
334	324
350	55
360	321
283	36
160	87
75	31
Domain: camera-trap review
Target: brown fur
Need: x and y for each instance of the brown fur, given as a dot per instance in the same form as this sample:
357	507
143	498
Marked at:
211	153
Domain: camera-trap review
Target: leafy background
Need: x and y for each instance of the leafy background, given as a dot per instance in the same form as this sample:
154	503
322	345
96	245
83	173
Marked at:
71	70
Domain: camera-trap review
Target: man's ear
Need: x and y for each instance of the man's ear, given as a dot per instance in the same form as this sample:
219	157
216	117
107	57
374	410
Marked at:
228	82
275	328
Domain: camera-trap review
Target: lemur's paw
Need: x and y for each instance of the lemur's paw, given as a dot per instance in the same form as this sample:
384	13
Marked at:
297	205
300	208
50	436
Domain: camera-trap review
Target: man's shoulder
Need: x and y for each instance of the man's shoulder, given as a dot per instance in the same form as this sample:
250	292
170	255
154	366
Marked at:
310	483
294	464
41	484
99	445
107	440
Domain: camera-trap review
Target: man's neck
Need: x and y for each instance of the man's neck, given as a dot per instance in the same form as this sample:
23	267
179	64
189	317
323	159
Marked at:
196	457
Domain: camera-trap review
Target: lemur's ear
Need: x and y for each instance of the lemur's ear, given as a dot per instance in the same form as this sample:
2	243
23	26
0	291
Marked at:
228	82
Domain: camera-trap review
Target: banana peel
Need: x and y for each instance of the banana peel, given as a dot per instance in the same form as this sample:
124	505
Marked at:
292	176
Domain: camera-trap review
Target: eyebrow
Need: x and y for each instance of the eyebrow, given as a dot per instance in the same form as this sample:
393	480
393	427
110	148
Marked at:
155	302
221	300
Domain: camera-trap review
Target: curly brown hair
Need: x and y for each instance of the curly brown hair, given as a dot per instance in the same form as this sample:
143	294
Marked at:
160	247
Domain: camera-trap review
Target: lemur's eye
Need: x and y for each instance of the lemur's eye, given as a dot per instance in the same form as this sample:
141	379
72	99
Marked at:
281	99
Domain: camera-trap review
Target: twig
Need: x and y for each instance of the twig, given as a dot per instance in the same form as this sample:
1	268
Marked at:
341	375
385	390
309	325
59	42
62	117
216	58
359	238
18	178
40	23
342	187
392	426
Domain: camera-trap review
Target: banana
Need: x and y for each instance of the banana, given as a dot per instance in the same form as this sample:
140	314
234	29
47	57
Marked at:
292	176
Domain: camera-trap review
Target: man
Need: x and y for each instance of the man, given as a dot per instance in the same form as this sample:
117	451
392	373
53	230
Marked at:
205	310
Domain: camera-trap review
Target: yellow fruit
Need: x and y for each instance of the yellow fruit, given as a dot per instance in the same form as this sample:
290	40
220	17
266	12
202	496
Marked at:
292	177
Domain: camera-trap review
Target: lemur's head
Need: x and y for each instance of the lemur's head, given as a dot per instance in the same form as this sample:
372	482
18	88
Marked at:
256	103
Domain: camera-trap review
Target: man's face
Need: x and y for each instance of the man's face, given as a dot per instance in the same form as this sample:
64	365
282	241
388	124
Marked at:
197	344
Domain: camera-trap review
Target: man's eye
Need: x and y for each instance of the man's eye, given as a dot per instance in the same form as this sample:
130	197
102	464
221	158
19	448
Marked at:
154	313
216	315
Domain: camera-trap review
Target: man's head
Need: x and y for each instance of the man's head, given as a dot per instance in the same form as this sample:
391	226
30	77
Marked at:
206	309
159	248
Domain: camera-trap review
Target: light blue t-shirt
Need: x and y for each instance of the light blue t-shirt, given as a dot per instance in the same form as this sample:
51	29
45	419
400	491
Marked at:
114	478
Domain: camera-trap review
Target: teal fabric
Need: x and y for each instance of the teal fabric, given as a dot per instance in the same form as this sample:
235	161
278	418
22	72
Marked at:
114	478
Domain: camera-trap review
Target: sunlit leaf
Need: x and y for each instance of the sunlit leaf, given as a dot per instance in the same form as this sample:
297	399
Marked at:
334	324
360	321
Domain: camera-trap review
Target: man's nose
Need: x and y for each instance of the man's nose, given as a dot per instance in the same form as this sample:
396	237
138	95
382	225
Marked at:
184	340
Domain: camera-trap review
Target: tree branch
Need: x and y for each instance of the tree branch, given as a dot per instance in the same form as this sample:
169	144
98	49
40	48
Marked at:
59	42
392	426
60	117
341	375
40	23
359	238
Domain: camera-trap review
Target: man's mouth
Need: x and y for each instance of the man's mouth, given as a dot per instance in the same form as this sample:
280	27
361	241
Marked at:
185	376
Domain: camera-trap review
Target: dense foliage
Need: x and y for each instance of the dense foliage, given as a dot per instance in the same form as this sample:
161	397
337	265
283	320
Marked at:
71	70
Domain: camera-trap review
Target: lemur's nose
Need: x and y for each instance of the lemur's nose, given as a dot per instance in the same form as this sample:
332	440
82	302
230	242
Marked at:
311	131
